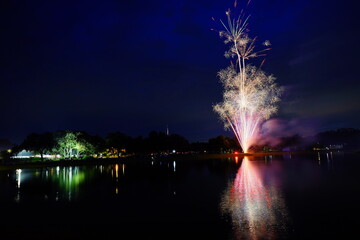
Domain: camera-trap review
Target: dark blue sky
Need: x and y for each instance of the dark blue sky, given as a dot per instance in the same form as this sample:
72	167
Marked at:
137	66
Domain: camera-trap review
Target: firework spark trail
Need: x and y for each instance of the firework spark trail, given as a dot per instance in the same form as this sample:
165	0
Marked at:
250	95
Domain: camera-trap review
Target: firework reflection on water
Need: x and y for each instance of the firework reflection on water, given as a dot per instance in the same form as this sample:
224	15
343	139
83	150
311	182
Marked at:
257	209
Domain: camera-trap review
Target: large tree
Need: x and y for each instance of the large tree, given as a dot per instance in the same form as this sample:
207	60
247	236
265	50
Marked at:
39	143
221	144
73	144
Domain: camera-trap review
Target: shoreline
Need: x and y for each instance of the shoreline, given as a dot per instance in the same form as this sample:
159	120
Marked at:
139	158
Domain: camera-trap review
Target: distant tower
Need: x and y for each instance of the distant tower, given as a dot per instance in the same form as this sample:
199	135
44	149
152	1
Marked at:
167	130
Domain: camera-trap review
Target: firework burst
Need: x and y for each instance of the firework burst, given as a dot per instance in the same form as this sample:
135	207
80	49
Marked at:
250	95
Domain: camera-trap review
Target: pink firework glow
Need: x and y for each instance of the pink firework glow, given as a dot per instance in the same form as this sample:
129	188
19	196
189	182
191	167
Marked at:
250	96
256	209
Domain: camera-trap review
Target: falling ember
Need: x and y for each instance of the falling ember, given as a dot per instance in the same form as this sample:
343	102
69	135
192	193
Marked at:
250	96
256	210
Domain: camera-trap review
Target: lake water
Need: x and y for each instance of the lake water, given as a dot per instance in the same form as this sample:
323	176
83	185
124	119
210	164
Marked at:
268	197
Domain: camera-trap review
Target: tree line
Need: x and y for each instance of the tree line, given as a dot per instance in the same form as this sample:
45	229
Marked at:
79	144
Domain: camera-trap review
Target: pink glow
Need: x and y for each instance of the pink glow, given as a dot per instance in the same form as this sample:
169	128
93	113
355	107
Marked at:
255	208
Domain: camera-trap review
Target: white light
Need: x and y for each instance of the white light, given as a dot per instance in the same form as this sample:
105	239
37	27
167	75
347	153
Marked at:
70	175
18	173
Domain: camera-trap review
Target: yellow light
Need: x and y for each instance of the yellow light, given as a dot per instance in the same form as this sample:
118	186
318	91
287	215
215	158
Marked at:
117	170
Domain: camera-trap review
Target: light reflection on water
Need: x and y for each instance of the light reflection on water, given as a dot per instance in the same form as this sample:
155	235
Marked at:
256	208
65	182
286	196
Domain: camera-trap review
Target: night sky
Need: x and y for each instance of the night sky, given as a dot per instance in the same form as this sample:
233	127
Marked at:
137	66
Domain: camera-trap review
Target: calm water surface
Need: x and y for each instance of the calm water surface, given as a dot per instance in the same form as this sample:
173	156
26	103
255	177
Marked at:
269	197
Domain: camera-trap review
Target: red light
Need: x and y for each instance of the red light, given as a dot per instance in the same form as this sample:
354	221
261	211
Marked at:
236	152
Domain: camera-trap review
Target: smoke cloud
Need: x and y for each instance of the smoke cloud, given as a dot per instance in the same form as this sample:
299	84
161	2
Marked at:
274	130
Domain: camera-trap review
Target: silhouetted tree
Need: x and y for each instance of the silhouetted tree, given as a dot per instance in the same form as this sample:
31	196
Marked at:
136	145
117	141
221	144
177	142
98	143
161	142
348	137
295	141
38	143
199	147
